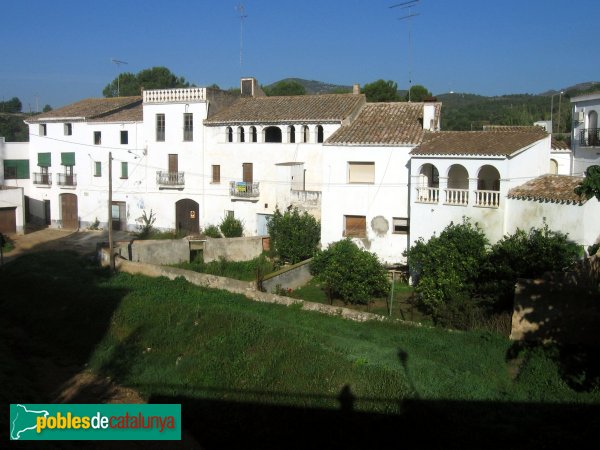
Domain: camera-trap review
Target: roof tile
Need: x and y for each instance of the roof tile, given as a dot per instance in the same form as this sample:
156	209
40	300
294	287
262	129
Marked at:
89	108
554	188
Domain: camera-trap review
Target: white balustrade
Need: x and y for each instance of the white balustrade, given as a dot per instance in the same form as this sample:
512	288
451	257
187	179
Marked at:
175	95
487	199
457	197
428	195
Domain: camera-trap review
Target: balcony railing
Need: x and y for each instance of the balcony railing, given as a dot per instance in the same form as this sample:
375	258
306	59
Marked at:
66	180
170	179
589	137
428	195
487	199
457	197
243	189
42	178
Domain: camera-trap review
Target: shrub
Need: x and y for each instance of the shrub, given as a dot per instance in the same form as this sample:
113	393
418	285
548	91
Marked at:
446	267
147	225
95	225
212	231
231	227
294	236
352	274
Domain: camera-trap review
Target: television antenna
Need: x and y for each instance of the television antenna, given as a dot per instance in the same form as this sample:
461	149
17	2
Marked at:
241	9
118	63
408	5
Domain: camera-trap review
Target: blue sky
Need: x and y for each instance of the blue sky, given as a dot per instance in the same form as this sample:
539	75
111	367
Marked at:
60	51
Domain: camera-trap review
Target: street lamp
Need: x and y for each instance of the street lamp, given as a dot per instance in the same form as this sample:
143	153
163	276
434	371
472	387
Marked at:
552	110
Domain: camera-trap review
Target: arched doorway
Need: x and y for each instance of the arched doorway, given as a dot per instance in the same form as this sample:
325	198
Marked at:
68	211
187	216
273	134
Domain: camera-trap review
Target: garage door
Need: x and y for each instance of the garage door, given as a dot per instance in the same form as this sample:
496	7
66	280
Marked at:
8	220
68	211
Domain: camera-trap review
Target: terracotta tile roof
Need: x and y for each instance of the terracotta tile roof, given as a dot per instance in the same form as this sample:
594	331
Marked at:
552	188
385	124
483	143
90	108
129	114
290	109
561	145
516	128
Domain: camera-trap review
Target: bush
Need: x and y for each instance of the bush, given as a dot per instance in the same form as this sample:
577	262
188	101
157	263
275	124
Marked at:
231	227
294	236
446	268
212	231
352	274
147	225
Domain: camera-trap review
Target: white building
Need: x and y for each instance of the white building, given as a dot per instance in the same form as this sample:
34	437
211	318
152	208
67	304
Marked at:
585	135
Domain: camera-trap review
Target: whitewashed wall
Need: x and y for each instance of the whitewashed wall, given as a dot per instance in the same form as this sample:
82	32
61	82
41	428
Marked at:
583	157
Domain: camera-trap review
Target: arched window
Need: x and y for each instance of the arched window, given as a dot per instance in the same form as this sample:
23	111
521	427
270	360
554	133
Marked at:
291	134
488	178
319	133
458	177
553	167
253	135
241	136
229	134
305	134
272	134
429	176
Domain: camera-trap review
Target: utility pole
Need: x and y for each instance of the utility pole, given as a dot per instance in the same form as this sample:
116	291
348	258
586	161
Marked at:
110	227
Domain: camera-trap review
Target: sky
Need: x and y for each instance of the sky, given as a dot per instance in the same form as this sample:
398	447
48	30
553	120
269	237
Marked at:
58	52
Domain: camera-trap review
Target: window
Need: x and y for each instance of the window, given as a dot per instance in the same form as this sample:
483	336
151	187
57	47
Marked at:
361	172
229	134
272	134
241	135
42	129
97	137
291	134
97	169
229	214
355	226
160	128
305	134
188	127
247	173
16	169
253	134
216	173
319	133
124	170
67	158
400	225
124	137
45	159
68	129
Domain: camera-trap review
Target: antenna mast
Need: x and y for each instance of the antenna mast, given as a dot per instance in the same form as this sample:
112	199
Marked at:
241	9
409	16
118	63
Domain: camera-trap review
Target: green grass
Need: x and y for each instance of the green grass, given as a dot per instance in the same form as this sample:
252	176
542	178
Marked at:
172	340
8	245
239	270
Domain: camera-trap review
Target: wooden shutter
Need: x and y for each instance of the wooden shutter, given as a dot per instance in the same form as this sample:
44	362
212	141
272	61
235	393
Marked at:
356	226
216	174
247	172
173	163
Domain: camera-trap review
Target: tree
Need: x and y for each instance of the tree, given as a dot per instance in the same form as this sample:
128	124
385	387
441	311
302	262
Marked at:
129	84
285	87
231	227
419	93
11	106
47	108
294	236
350	273
590	185
381	91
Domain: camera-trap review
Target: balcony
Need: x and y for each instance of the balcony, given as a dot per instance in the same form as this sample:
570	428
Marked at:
487	199
243	190
173	180
428	195
457	197
67	180
42	179
589	137
176	95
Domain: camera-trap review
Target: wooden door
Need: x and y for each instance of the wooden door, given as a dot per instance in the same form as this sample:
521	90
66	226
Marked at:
68	211
173	163
47	219
8	220
187	216
247	172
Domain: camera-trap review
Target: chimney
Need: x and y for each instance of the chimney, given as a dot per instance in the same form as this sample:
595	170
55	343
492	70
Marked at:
429	116
249	87
356	89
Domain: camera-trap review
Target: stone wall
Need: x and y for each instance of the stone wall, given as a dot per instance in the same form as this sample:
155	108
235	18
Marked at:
289	277
233	249
169	251
561	307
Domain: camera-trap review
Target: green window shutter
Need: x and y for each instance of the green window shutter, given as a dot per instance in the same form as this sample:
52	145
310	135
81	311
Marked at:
44	159
23	169
124	170
67	158
97	169
20	167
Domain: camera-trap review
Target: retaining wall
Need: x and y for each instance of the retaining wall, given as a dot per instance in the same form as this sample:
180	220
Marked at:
290	277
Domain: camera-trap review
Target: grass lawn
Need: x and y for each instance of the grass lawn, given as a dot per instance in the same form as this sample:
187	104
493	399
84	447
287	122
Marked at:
239	270
249	369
